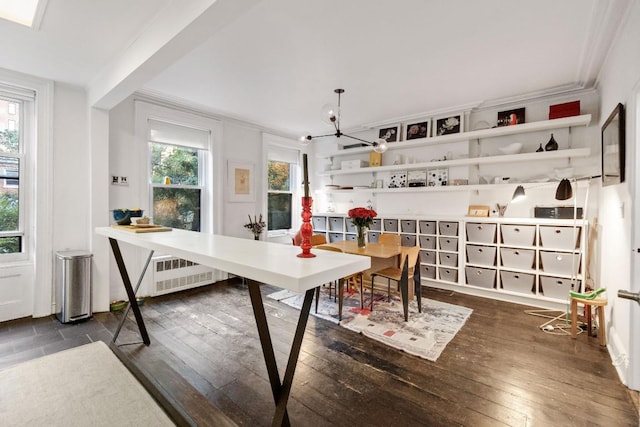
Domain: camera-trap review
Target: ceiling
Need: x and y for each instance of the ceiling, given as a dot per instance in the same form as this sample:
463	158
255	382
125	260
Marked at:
276	62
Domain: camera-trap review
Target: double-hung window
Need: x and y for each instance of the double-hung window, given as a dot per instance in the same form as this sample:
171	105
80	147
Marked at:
178	156
282	179
11	162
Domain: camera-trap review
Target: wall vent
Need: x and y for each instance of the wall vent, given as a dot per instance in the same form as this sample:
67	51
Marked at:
171	274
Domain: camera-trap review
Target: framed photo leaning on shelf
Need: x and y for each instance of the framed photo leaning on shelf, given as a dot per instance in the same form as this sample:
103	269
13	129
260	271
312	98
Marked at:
390	133
511	117
453	123
417	130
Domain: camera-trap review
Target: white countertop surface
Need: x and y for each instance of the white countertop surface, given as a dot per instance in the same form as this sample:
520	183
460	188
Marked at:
272	263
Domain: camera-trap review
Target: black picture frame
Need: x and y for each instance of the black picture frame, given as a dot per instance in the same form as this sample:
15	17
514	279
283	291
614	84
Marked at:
449	125
390	134
613	147
511	117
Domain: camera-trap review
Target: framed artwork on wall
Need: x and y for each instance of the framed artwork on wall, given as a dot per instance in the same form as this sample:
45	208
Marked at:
240	181
390	133
613	147
417	130
448	125
511	117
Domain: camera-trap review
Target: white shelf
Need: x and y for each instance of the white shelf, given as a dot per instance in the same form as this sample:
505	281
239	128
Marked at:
507	158
565	122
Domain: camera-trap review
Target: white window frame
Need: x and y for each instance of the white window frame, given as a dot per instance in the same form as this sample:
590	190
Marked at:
270	142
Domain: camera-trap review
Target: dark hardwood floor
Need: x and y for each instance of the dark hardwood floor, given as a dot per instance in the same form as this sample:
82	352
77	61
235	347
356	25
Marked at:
500	369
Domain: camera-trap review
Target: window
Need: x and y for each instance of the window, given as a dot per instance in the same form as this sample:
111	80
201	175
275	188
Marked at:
282	180
178	159
12	108
11	227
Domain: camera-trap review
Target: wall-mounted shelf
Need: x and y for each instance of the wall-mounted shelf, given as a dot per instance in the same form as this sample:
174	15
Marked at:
565	122
507	158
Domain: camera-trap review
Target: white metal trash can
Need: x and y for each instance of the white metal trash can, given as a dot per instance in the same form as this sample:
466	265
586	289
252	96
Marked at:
73	285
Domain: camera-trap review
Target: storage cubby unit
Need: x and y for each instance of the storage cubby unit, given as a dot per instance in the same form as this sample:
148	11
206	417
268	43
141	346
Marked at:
529	260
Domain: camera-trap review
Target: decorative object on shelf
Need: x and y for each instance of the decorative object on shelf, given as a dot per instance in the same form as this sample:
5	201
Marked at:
564	190
501	209
450	124
390	133
482	124
540	149
437	177
552	145
331	115
306	229
417	130
518	194
478	210
460	182
255	225
398	180
511	117
513	148
240	181
613	147
567	109
362	218
375	159
417	178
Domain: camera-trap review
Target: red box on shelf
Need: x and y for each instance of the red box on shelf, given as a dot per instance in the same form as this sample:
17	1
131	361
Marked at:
567	109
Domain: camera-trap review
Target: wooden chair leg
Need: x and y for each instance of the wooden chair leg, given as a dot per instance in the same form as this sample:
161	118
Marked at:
601	326
388	290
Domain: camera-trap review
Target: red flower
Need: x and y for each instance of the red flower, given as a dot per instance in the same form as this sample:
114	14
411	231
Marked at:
362	217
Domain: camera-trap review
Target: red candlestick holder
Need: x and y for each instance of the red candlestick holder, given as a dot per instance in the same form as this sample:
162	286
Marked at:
306	230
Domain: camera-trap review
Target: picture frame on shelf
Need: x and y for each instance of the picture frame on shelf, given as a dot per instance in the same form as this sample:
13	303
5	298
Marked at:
478	210
613	147
417	178
453	123
390	133
240	181
397	179
437	177
511	117
417	130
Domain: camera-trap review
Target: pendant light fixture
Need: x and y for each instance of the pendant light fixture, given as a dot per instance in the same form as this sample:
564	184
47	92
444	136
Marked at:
331	115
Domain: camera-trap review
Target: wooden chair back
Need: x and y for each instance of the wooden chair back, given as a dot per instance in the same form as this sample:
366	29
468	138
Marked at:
318	239
389	239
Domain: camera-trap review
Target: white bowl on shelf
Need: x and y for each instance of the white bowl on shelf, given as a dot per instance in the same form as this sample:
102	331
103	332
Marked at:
513	148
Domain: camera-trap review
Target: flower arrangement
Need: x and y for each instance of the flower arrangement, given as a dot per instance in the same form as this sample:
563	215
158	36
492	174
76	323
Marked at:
362	217
256	225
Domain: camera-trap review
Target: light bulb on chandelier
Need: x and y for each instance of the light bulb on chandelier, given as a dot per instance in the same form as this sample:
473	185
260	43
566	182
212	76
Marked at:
331	115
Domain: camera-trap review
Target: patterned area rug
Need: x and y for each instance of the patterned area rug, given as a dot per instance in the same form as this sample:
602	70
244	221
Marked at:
425	335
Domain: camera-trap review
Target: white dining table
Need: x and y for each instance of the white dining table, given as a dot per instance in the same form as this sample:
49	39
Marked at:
258	261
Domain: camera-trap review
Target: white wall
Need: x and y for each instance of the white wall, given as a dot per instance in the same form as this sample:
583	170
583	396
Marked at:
620	74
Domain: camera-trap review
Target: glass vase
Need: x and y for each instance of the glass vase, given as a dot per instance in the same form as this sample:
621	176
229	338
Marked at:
361	232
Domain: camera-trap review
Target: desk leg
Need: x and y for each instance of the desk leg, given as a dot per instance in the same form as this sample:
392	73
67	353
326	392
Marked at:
404	289
341	283
417	284
133	304
282	390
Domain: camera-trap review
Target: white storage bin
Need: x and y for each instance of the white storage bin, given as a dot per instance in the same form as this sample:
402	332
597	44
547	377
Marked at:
480	232
448	259
376	225
428	257
518	235
353	164
448	228
427	227
351	237
448	274
448	244
408	225
427	272
428	242
373	236
335	237
560	263
483	255
336	224
319	223
557	287
517	282
351	228
559	237
482	277
517	258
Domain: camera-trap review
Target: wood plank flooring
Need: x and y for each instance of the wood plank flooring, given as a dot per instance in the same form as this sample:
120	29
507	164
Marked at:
500	369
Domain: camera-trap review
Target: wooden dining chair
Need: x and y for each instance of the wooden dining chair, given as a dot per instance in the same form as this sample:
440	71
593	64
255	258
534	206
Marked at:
389	239
408	268
316	239
350	280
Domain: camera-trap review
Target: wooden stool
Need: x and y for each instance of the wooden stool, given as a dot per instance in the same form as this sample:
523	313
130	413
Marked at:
599	304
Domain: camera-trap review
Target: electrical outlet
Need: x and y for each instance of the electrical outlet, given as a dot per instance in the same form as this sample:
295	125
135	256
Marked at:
124	180
115	180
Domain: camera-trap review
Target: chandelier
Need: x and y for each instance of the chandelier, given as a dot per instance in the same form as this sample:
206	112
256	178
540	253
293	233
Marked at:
331	115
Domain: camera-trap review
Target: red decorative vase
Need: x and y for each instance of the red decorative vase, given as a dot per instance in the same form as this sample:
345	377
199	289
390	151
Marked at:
306	230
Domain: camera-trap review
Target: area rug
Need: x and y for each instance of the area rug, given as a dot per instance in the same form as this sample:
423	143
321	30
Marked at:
425	335
82	386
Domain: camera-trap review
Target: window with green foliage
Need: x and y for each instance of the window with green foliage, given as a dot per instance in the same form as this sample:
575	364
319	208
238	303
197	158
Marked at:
176	183
11	228
280	195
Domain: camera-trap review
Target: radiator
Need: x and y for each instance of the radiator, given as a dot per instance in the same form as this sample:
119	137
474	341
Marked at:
171	274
